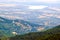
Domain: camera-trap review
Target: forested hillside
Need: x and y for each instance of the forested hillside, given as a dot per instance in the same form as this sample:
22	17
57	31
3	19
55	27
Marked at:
51	34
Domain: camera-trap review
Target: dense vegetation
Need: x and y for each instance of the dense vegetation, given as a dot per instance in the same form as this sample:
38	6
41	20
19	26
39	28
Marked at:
51	34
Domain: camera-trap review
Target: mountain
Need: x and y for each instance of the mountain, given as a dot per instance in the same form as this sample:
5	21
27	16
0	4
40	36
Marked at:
51	34
17	27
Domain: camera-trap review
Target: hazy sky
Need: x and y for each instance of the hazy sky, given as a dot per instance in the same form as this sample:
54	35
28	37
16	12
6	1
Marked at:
46	1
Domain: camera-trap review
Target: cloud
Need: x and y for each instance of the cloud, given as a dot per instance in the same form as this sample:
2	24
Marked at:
13	1
46	15
19	12
16	13
37	7
57	16
41	16
7	5
56	9
11	17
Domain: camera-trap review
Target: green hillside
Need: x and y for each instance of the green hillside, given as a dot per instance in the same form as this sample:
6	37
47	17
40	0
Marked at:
51	34
7	27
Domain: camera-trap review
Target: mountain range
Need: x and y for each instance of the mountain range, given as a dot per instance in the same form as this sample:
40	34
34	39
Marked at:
17	27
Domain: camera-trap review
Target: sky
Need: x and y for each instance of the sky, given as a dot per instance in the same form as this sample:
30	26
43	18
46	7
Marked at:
37	7
45	1
2	4
32	4
29	2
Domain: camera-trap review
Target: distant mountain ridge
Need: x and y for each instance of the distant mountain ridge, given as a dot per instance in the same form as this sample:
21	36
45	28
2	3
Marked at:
11	27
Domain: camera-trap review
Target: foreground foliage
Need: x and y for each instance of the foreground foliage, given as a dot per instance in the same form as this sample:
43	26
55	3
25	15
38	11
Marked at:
51	34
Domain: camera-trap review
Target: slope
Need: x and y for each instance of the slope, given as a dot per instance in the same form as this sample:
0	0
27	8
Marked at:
51	34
